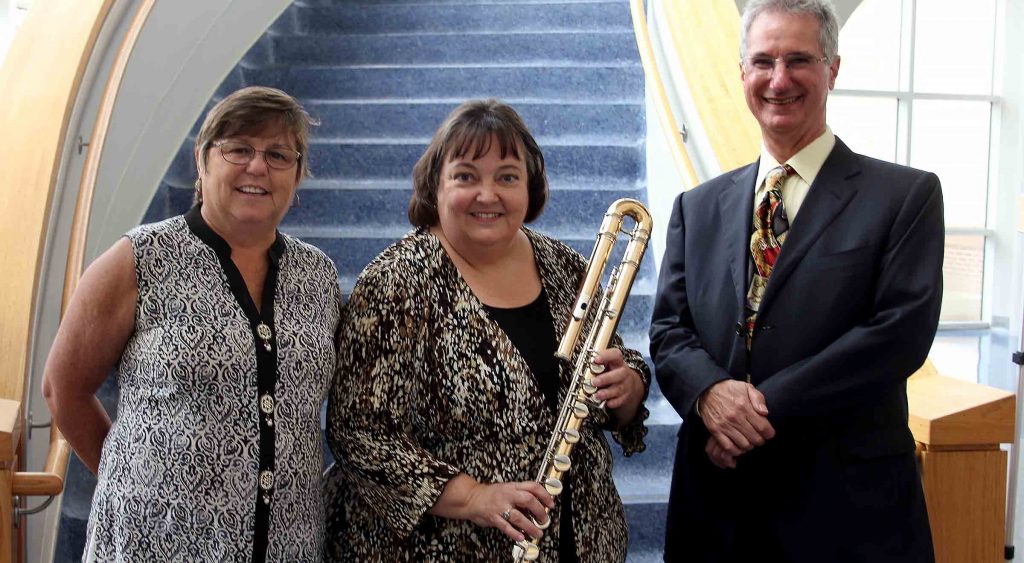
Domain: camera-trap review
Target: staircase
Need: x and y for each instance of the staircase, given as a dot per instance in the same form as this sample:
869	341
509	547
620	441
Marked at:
381	75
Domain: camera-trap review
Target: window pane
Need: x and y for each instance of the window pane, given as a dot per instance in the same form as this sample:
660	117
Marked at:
956	355
962	278
951	138
868	45
866	125
954	46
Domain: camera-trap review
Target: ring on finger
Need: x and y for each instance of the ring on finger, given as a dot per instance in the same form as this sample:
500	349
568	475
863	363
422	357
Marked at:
506	515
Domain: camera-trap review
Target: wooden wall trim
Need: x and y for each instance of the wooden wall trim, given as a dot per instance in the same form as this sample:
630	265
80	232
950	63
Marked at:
10	431
41	77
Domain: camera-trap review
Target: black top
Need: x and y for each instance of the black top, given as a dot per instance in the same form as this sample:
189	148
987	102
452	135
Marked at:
532	331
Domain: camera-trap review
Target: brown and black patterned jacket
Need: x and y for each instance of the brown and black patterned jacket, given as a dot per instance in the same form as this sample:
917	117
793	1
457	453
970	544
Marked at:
429	386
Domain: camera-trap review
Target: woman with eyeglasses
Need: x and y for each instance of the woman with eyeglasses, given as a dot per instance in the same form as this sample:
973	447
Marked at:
222	332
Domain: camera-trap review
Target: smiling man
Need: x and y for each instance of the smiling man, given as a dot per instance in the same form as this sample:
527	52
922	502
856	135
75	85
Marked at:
796	296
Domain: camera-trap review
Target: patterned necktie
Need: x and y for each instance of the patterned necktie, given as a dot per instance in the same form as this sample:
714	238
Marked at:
770	227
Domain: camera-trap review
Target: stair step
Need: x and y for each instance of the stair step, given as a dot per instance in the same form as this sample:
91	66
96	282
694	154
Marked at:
348	4
319	210
387	161
615	123
342	160
607	83
352	255
646	531
433	17
647	476
566	212
457	47
77	502
70	539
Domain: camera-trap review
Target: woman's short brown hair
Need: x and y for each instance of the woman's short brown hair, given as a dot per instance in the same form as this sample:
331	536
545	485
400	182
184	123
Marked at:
248	111
471	126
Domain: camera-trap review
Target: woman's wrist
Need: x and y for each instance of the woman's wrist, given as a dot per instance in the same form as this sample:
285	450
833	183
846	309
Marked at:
627	411
457	498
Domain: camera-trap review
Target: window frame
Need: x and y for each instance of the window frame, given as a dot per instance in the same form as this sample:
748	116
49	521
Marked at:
905	97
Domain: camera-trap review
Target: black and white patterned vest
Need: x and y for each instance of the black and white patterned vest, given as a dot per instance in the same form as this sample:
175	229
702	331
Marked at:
179	478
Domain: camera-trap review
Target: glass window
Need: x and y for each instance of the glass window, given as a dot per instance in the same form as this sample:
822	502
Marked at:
916	87
954	46
962	271
872	36
951	138
868	125
956	356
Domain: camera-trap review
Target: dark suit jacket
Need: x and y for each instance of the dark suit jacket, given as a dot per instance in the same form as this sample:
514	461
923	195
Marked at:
849	313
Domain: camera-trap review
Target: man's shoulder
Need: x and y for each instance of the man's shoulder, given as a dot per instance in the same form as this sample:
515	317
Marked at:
871	167
721	182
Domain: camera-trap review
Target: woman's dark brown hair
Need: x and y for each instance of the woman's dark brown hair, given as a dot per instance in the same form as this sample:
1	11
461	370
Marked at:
472	127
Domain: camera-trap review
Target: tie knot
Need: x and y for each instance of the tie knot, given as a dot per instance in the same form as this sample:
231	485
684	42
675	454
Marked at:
776	176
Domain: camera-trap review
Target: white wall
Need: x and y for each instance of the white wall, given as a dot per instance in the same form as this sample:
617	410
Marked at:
12	12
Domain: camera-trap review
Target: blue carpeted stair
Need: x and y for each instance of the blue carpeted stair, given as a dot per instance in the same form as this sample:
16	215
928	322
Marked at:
381	75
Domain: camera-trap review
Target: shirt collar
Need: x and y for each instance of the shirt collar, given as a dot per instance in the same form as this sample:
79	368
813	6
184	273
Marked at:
200	228
807	163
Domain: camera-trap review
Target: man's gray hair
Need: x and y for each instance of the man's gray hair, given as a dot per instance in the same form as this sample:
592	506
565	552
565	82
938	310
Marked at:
828	37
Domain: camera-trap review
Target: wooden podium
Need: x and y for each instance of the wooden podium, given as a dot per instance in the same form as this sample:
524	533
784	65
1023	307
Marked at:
958	427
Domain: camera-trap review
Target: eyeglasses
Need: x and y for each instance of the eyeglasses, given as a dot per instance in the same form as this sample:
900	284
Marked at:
240	153
794	62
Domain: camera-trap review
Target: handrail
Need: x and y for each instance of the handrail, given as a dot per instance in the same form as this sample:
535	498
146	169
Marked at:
680	156
51	480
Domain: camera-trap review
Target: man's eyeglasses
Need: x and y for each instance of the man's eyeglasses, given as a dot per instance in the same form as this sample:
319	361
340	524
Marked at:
237	152
794	62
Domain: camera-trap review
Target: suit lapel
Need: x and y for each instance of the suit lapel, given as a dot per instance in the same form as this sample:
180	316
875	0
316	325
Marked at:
736	210
831	191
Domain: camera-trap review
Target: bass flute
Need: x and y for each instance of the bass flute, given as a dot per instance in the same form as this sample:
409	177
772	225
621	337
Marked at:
578	402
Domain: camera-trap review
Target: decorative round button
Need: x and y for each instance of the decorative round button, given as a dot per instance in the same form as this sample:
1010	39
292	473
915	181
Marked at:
266	479
263	331
267	403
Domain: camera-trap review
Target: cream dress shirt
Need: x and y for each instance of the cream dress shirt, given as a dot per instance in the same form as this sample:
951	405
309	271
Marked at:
807	163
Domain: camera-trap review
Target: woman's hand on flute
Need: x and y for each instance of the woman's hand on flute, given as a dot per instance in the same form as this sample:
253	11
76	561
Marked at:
620	386
505	506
